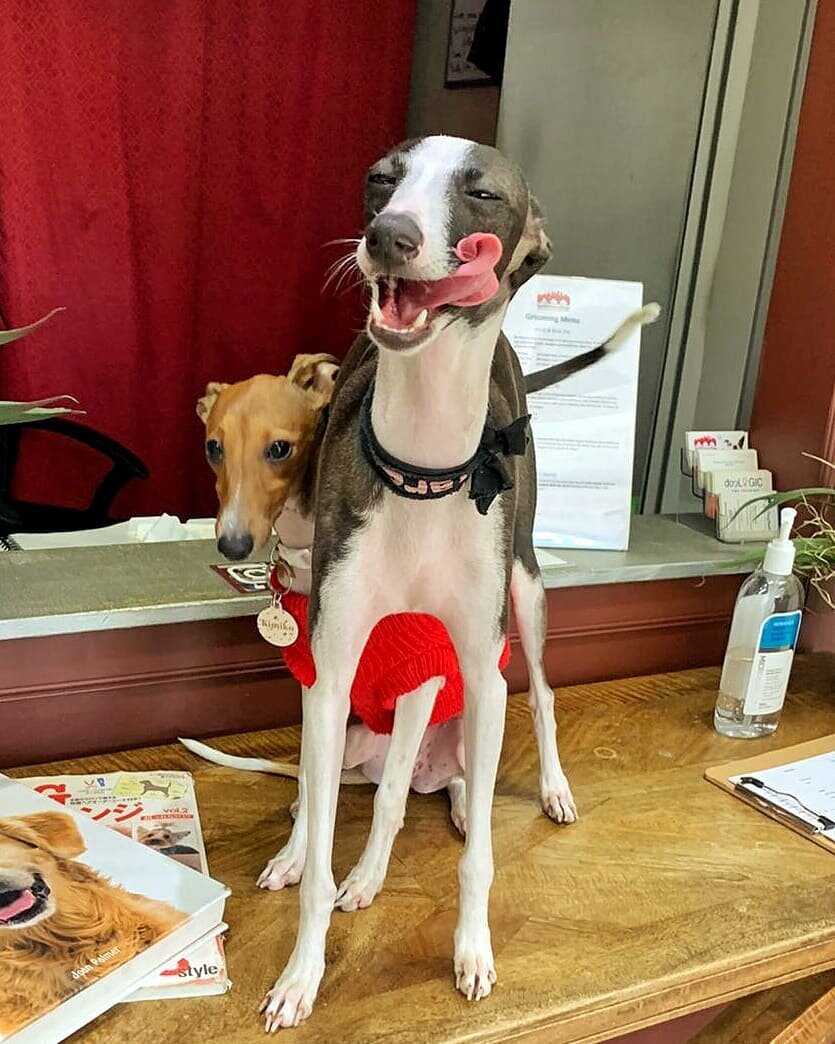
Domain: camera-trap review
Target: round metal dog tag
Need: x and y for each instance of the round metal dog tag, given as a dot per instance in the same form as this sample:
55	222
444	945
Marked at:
277	626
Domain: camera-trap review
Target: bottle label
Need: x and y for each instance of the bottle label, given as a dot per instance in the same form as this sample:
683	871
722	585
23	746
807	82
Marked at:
772	664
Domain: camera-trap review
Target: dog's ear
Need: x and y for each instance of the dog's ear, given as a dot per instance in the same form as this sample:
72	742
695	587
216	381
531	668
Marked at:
204	405
315	373
537	247
54	832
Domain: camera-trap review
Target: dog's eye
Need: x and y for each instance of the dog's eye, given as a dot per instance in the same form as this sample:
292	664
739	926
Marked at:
278	450
378	178
214	451
483	194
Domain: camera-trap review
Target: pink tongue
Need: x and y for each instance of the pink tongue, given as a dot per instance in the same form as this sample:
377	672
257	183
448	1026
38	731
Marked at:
472	283
25	901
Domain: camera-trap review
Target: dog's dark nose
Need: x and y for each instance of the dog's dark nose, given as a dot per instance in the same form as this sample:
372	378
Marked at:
235	547
392	239
40	889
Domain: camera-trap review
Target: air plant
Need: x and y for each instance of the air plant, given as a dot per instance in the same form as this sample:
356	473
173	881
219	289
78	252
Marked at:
26	412
815	540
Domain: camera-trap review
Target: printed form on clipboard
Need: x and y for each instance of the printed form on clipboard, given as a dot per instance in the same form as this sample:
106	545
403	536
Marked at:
584	427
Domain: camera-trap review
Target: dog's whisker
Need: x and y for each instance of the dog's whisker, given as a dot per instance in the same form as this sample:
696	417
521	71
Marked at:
332	277
356	240
351	286
333	282
347	264
345	259
347	273
348	258
342	269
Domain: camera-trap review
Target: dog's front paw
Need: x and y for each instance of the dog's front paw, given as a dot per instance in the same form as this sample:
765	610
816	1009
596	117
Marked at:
558	801
290	1001
475	972
359	889
284	869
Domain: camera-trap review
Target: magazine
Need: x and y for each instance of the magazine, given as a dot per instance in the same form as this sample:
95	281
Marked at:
86	915
158	810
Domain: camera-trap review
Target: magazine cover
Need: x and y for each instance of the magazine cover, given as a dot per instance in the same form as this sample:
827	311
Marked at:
85	915
158	810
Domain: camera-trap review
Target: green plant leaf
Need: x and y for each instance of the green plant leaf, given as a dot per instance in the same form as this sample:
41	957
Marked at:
40	409
771	500
7	336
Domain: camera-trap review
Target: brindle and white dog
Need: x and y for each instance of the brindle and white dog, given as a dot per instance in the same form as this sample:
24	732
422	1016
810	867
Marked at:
418	424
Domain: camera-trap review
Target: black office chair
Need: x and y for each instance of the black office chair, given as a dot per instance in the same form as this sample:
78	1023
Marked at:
20	516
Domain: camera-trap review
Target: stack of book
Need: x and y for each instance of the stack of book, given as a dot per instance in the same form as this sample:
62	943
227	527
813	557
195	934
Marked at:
104	897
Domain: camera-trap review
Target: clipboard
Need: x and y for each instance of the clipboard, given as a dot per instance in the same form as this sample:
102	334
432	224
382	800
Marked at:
720	775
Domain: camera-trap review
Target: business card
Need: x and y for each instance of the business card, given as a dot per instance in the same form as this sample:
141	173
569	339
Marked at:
721	460
754	483
696	440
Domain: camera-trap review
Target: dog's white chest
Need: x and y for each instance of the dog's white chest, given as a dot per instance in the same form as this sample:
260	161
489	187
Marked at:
417	553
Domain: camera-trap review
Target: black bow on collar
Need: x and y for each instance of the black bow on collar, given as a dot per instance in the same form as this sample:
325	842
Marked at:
490	476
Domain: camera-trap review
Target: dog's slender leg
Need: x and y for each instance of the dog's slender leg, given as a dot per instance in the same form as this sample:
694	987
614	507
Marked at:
457	791
411	717
529	607
485	701
287	866
340	633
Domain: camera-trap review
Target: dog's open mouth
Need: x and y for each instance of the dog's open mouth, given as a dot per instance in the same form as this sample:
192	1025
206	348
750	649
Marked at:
20	905
403	311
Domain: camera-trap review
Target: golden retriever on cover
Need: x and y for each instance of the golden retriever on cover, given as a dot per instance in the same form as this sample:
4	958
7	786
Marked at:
62	925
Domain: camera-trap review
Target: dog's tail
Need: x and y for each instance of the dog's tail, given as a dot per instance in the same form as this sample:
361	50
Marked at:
535	382
274	768
218	757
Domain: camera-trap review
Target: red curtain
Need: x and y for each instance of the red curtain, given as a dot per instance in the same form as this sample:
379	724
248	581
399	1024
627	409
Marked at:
170	171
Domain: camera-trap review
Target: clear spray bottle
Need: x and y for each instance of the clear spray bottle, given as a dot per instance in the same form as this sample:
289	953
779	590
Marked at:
764	631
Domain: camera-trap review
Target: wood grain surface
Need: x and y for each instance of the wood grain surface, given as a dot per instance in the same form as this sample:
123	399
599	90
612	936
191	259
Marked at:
667	897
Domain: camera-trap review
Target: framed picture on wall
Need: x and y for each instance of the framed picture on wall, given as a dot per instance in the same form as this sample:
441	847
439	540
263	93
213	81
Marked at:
464	15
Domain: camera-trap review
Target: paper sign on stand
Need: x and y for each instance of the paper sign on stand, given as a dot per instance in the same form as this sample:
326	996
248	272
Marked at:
583	428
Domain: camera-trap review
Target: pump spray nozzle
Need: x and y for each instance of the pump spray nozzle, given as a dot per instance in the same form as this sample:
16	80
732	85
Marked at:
779	555
787	517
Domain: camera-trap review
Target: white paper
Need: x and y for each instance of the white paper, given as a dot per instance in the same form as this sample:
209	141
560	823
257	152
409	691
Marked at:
547	559
139	530
583	428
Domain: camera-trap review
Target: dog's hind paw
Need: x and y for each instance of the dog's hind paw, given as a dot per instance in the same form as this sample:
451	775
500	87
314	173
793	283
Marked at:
358	890
290	1001
283	870
558	801
475	973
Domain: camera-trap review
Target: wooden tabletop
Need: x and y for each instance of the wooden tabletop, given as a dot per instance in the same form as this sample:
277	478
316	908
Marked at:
668	896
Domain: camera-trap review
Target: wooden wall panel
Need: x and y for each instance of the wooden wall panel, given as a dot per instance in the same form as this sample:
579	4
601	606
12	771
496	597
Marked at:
71	695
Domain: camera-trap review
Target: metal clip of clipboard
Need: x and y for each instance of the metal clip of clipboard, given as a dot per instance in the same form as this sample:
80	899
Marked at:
824	823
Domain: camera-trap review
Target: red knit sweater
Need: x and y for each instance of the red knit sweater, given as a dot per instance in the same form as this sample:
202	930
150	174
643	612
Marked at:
403	651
